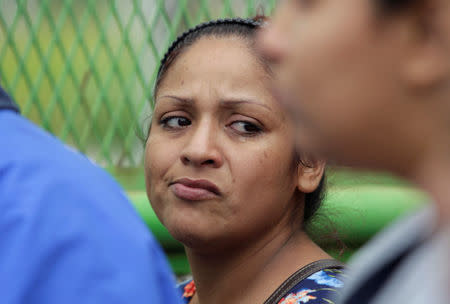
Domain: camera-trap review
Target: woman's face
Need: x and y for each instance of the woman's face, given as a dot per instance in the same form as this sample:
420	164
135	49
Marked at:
219	157
340	70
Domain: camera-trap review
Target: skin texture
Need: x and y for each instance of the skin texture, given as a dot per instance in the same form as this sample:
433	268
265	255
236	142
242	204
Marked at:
367	88
216	119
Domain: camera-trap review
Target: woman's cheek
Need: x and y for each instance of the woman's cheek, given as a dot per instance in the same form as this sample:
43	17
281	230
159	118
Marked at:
160	155
262	169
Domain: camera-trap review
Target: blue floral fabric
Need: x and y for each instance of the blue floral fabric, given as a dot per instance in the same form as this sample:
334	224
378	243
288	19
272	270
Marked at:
319	288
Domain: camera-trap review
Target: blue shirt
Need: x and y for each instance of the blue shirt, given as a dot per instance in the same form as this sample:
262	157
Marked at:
68	234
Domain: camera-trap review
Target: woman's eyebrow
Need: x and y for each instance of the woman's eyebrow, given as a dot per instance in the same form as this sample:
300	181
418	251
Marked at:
230	103
178	99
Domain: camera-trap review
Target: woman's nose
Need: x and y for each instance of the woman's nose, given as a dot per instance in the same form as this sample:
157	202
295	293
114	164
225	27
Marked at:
202	148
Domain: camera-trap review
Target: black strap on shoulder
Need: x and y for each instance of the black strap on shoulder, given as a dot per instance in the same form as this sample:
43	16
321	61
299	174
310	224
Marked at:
6	103
299	276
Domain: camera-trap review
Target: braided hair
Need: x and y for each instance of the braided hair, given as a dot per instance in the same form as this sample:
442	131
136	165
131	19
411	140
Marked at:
246	29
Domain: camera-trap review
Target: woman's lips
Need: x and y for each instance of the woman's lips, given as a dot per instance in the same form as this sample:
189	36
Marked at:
194	190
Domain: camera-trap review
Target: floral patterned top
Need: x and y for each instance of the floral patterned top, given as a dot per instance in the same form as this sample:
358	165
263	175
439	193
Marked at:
320	287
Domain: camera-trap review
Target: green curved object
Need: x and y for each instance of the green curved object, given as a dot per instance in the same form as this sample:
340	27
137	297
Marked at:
140	201
348	218
356	214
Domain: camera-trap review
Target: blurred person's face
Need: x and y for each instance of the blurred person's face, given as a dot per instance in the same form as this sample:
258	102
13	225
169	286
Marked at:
219	163
352	78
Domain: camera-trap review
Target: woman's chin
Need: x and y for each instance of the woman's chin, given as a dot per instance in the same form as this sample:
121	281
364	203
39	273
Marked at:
197	236
190	236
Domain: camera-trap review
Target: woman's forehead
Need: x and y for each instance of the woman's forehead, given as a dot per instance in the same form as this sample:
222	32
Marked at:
219	54
220	65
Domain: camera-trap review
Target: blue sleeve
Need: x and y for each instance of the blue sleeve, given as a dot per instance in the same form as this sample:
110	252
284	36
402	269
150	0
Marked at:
68	234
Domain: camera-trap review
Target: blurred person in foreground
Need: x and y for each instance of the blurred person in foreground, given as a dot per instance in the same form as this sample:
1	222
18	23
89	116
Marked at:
369	84
68	233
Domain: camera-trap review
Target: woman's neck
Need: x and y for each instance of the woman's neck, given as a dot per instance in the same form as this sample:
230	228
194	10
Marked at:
251	273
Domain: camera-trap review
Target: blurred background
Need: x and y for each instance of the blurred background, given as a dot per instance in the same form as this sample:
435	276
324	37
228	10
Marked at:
84	71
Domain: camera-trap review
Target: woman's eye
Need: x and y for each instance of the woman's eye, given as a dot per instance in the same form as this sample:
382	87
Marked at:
246	128
175	122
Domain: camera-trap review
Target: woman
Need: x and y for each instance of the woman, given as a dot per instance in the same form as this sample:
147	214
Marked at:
371	81
224	178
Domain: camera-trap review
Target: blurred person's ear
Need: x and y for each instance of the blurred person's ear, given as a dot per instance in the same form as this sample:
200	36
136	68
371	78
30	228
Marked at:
309	173
427	34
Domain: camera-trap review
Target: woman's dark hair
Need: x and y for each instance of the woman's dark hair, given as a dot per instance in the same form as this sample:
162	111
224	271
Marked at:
246	29
314	200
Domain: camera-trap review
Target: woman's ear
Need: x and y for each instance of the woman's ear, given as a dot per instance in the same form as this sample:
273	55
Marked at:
309	173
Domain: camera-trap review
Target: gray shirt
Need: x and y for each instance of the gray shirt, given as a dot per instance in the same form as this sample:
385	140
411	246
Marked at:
409	262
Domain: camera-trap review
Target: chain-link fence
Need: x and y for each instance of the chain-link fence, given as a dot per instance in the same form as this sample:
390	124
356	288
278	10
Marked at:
84	69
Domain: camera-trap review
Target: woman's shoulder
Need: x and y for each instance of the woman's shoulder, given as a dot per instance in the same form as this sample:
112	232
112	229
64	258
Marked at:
320	287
